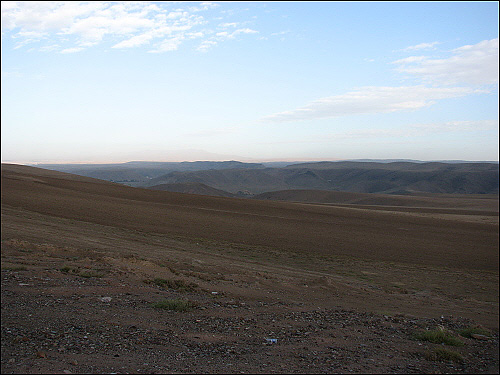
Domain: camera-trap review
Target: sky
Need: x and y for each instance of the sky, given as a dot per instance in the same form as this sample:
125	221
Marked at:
107	82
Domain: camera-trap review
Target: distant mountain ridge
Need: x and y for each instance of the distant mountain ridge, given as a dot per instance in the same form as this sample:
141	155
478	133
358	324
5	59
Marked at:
360	177
138	173
395	177
420	161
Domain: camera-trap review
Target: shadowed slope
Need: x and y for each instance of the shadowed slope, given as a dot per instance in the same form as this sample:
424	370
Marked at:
333	231
463	203
192	188
387	178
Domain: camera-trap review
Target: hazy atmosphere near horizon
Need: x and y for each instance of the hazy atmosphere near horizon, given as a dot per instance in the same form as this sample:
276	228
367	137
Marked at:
183	81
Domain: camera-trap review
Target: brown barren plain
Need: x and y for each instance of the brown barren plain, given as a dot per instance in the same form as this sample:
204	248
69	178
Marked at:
342	288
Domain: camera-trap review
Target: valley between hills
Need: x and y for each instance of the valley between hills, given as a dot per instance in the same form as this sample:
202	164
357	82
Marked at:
303	278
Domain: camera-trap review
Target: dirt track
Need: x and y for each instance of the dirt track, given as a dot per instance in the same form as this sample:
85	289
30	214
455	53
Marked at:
341	289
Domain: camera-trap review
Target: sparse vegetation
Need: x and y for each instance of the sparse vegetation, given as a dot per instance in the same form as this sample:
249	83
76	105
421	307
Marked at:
174	304
14	268
443	354
174	271
89	274
20	245
439	336
82	273
316	284
179	285
205	277
478	330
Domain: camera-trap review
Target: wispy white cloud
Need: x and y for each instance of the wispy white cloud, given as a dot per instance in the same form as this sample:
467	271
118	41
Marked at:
44	16
28	37
243	31
14	74
468	70
135	41
281	33
11	74
226	35
72	50
399	133
402	132
221	37
206	45
454	126
203	7
472	64
422	46
410	60
212	132
369	100
228	24
79	25
167	45
418	130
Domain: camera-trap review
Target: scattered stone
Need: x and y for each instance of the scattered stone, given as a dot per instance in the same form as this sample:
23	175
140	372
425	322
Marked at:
477	336
311	339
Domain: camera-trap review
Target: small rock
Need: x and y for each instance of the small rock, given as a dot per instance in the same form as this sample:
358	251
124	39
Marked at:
477	336
106	299
41	355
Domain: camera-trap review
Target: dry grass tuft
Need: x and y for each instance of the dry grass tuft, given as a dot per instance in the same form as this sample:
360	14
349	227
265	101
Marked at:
179	285
439	336
475	330
443	354
175	304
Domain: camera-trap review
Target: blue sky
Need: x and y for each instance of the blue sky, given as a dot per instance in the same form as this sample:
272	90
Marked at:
173	81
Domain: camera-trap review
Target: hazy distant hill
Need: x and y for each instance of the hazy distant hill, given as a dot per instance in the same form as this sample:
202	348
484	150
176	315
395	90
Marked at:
418	161
77	201
231	180
192	188
138	173
398	166
398	177
361	177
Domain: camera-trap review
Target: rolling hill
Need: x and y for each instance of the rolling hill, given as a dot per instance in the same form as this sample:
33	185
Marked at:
454	202
90	269
293	227
192	188
397	177
361	177
137	173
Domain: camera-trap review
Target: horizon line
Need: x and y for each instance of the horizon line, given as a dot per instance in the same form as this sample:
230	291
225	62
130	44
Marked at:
243	160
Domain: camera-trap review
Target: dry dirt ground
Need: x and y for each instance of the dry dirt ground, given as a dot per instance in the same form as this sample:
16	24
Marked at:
80	259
